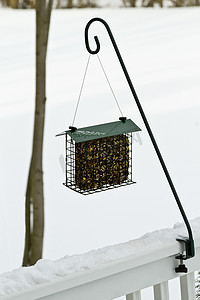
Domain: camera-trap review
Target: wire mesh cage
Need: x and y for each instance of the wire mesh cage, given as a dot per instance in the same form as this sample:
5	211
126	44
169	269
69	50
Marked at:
98	159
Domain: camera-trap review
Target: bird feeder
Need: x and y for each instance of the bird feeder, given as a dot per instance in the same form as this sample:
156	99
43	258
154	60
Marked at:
99	157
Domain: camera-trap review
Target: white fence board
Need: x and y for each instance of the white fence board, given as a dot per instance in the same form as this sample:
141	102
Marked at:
187	283
134	296
161	291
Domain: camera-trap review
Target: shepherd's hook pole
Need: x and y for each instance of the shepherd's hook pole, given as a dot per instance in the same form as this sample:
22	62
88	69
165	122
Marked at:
189	243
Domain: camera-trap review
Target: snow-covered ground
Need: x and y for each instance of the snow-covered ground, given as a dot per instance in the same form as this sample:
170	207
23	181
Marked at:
161	50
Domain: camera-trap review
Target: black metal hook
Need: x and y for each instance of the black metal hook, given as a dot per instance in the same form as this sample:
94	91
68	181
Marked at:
95	37
189	242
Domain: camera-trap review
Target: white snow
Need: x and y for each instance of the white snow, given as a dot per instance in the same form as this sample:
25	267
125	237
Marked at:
46	270
160	48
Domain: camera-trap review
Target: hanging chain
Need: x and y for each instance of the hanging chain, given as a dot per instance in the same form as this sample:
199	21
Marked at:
79	97
80	93
110	85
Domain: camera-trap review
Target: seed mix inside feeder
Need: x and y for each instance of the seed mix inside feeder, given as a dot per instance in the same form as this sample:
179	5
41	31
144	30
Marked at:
99	157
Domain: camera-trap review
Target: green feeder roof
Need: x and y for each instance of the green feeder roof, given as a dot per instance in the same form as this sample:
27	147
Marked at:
101	131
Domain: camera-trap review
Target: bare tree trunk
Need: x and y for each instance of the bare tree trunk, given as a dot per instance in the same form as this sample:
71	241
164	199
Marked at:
13	3
131	3
4	3
124	3
34	215
70	4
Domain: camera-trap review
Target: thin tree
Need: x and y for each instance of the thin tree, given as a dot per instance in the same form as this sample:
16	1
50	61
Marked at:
70	4
34	207
129	3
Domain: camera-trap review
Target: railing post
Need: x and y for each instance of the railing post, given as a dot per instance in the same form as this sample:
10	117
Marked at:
134	296
161	291
187	283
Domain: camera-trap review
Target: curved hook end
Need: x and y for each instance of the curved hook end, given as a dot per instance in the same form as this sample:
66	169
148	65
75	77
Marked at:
87	43
95	37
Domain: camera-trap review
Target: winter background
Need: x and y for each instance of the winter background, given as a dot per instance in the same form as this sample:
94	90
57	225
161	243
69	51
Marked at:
160	48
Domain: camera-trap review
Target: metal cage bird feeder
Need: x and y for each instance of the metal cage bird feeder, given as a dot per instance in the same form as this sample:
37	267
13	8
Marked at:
99	157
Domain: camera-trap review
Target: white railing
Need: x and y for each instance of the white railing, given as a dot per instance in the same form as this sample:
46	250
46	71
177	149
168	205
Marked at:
127	276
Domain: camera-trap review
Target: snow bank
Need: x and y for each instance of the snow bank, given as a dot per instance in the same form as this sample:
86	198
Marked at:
46	270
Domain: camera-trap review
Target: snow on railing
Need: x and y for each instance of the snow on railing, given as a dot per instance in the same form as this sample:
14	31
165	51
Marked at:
120	270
